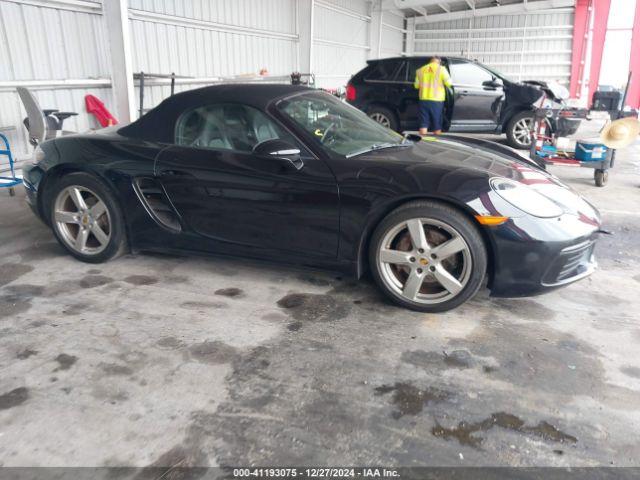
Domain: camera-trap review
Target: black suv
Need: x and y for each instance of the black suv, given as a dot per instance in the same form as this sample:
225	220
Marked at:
481	101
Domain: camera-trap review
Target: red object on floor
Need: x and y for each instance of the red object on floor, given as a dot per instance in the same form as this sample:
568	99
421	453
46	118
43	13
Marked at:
95	106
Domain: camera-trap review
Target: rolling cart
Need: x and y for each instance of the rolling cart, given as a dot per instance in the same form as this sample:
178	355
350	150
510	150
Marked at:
542	151
12	181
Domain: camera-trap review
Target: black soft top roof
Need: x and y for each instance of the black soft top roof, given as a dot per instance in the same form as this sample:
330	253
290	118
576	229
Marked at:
158	124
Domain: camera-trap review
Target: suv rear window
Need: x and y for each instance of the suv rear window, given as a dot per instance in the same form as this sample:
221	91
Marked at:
385	70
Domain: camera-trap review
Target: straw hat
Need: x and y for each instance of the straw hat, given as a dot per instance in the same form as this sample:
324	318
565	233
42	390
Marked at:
620	133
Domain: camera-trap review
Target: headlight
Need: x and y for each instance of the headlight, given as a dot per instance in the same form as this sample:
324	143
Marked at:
525	198
38	154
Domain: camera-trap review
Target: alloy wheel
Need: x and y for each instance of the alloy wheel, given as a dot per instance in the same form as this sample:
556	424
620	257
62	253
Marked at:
425	261
522	131
381	118
82	219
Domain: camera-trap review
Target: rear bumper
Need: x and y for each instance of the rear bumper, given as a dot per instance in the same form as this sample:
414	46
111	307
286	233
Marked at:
32	175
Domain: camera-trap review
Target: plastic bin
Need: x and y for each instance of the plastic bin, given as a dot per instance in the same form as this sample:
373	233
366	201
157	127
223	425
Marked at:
590	151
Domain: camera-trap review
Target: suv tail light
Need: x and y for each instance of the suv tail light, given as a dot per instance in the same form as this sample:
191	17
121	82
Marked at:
351	93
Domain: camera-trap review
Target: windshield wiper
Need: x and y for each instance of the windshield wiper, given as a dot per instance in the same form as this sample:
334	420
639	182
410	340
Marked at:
378	146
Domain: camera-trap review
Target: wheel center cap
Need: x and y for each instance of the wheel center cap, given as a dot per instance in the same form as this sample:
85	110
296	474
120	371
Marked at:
85	219
424	261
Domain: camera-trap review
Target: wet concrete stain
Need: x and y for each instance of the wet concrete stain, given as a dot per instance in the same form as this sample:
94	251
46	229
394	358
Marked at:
231	292
65	362
26	353
460	359
75	309
92	281
631	371
202	305
215	352
12	271
294	327
316	280
274	317
113	369
17	300
409	399
466	432
311	307
15	397
171	463
94	271
170	343
141	280
26	290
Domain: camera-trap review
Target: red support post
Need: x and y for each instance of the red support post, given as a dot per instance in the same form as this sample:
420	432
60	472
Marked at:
599	34
579	46
633	95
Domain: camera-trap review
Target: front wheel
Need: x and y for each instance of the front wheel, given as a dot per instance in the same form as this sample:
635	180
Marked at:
519	130
86	218
428	256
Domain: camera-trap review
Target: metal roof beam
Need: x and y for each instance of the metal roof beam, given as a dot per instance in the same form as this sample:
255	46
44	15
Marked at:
500	10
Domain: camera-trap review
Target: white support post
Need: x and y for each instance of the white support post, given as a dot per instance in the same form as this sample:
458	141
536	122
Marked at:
116	14
304	24
375	30
410	38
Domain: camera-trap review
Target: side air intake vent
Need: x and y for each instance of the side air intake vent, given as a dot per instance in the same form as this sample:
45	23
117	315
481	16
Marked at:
154	200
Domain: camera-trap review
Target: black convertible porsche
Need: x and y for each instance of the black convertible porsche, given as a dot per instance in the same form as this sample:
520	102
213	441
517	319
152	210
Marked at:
290	174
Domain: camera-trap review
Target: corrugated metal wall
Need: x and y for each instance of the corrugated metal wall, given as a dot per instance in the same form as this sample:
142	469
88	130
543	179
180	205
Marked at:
46	47
60	48
535	45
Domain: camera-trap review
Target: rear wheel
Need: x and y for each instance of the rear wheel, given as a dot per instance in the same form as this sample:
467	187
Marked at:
86	218
428	256
383	116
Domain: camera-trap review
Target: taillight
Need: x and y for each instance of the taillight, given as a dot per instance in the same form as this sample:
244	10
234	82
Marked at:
351	93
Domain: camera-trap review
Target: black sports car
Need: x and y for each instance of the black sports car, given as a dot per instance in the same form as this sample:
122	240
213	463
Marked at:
291	174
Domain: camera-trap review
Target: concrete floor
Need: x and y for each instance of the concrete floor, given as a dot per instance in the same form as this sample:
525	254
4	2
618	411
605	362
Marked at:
162	360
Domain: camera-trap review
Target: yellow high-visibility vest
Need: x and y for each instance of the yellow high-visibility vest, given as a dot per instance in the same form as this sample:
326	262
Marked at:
431	80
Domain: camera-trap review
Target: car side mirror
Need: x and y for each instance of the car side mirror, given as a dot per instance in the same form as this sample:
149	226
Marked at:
281	149
492	84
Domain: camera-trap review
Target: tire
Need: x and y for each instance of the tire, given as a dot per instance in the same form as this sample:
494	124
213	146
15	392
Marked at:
93	233
384	116
415	279
601	177
515	132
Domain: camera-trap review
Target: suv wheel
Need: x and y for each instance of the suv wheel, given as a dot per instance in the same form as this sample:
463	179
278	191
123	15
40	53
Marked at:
384	117
519	130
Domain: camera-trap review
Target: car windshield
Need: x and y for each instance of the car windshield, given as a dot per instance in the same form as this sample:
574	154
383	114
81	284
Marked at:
337	126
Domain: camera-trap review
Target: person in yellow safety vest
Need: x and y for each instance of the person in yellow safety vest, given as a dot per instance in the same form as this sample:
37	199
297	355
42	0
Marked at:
431	82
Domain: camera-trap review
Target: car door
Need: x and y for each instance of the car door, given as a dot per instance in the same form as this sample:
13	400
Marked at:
476	104
241	202
411	96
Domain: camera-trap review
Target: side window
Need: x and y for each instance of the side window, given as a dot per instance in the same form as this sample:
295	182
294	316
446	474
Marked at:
383	70
416	63
465	73
227	126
